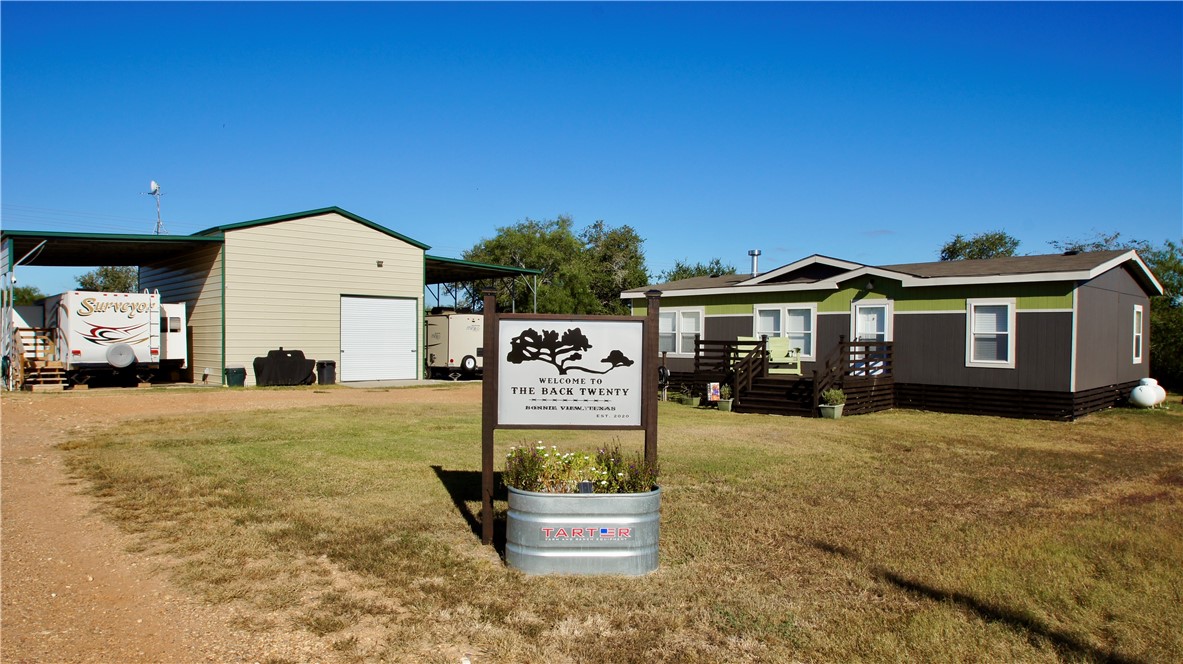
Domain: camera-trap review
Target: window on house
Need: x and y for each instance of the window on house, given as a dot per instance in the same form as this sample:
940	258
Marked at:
768	322
1137	334
667	332
795	323
990	333
689	326
677	329
799	326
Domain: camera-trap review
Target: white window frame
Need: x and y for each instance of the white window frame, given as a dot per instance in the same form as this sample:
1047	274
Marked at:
1139	339
783	310
679	327
889	312
1011	317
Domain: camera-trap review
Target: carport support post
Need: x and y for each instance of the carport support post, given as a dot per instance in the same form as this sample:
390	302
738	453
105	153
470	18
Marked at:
488	414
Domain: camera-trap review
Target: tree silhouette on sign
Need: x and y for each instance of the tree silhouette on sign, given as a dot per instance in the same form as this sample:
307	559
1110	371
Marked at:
559	351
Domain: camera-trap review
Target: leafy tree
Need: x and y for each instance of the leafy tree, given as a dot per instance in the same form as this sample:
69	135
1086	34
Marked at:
582	273
614	262
684	270
110	279
1101	242
990	244
25	295
1166	314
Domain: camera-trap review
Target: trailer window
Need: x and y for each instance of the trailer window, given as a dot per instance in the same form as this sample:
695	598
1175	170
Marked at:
174	323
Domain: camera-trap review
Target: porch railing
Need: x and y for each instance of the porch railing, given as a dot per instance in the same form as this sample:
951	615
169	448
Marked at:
853	359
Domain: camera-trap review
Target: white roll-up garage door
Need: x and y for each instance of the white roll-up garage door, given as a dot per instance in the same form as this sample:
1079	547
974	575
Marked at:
378	339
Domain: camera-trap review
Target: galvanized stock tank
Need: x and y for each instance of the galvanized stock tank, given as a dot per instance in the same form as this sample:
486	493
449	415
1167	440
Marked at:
583	533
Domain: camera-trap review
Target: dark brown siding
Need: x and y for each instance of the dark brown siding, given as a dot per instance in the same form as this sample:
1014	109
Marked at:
680	364
930	350
829	328
727	328
1105	336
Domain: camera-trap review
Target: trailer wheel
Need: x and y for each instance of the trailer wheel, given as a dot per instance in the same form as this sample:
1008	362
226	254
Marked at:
468	364
121	356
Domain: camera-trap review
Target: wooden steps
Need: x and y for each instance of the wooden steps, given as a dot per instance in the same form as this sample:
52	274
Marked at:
778	395
43	376
39	372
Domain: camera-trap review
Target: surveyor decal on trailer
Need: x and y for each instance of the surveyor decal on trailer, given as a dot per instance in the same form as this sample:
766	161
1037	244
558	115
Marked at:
96	332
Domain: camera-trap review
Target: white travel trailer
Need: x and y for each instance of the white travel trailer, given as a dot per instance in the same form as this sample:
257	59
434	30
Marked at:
455	344
92	332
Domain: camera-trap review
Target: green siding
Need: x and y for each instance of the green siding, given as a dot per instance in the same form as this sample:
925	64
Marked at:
1028	296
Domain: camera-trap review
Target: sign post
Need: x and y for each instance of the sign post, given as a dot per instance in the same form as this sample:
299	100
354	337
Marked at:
554	371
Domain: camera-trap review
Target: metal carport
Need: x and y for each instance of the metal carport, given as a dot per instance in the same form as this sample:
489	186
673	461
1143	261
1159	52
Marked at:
64	249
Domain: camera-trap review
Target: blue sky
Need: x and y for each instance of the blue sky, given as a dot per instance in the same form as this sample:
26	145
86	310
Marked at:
869	132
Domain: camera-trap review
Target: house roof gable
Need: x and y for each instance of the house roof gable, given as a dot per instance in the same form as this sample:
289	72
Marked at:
803	268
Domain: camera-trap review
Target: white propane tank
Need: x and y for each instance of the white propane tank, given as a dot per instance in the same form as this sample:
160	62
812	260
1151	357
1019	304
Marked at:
1144	396
1160	394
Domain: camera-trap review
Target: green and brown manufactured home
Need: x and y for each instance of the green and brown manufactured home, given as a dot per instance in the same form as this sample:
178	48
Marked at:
1053	336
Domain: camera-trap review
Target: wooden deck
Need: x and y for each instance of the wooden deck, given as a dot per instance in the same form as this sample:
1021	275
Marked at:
864	372
862	369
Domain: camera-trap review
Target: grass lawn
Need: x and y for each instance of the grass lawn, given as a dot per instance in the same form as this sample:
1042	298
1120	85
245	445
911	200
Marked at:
899	536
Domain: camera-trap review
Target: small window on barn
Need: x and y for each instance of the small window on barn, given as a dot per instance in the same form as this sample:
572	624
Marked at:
990	334
1137	334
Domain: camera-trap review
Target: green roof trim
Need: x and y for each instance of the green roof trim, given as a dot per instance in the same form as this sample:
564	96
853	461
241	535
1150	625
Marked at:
108	237
501	268
313	213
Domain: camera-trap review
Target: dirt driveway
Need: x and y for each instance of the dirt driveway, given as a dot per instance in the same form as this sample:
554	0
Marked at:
71	591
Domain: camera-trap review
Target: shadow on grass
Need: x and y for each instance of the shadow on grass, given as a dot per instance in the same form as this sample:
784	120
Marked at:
464	486
1032	627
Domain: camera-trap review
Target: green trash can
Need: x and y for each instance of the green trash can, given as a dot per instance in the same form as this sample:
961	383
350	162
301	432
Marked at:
235	376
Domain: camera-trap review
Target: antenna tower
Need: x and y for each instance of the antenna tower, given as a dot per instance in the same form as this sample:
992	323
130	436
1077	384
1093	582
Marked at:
156	193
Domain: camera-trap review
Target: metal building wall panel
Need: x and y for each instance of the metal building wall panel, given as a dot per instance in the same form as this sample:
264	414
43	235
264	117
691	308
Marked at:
286	279
195	280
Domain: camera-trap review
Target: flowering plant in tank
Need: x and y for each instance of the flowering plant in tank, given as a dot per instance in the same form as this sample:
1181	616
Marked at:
548	470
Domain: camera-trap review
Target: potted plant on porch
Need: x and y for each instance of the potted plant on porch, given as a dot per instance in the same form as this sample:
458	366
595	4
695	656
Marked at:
725	399
833	400
581	513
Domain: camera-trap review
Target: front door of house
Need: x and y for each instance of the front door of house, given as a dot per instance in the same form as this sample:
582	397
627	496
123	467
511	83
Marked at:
870	322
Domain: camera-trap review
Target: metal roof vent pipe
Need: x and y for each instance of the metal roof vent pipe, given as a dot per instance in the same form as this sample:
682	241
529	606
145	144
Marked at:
755	254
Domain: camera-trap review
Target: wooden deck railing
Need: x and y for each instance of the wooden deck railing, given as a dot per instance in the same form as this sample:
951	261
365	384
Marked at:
34	343
853	359
741	363
736	362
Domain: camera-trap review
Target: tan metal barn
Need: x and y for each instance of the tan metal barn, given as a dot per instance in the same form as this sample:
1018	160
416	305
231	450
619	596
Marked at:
327	282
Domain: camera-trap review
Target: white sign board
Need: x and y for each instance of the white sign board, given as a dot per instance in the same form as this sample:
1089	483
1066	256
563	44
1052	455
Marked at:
569	373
